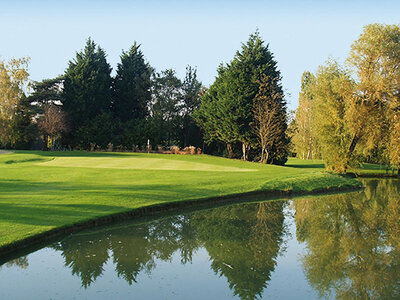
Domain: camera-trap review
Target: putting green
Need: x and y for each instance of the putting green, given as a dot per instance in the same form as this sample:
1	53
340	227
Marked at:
138	162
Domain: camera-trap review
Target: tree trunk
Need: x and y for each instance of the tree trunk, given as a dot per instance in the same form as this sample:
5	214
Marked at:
245	150
266	156
229	148
353	144
262	154
45	142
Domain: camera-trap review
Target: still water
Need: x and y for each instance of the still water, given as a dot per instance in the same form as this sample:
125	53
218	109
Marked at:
343	246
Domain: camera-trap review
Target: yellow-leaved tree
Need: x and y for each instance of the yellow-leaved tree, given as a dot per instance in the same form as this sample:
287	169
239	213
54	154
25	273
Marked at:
13	85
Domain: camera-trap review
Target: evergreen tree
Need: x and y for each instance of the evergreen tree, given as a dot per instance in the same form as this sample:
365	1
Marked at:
226	111
131	86
131	98
46	92
86	95
213	115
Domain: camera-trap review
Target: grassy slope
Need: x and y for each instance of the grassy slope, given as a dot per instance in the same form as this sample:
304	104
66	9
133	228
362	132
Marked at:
43	190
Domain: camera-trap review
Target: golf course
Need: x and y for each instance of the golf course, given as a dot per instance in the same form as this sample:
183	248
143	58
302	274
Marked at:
40	191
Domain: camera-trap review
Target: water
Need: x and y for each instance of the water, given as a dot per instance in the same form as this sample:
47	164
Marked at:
343	246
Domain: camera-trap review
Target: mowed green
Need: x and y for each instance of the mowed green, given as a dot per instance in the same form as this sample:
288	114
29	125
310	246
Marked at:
43	190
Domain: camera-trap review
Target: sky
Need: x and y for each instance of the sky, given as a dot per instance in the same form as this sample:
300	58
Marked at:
173	34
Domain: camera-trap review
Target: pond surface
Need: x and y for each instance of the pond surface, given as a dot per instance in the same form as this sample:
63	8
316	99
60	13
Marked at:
335	246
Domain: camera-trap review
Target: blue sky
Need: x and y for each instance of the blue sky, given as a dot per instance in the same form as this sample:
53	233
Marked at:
173	34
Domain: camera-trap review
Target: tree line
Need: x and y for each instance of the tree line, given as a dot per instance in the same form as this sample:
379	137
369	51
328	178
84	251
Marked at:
351	114
346	115
87	108
242	114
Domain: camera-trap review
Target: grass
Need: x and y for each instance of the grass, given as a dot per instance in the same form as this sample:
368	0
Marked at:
364	170
40	191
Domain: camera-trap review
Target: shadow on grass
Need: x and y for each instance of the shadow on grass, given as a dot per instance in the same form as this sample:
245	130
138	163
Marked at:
52	215
78	153
23	160
306	166
44	204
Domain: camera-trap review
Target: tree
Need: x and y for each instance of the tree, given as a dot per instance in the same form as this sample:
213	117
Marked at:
87	93
213	115
270	120
53	122
46	92
352	242
375	59
226	111
165	107
16	128
305	138
131	86
191	89
333	90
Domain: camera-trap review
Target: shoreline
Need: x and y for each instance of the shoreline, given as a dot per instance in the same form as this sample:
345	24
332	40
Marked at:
374	175
6	251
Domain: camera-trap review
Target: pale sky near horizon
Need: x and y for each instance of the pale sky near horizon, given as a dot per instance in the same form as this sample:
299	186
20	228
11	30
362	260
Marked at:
173	34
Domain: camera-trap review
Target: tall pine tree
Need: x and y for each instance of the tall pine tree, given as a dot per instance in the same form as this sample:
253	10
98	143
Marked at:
131	86
87	96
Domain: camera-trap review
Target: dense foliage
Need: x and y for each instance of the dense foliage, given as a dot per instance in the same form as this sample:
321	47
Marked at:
353	119
227	111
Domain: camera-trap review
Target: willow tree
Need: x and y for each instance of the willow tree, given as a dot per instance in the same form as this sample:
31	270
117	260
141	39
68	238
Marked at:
375	111
333	90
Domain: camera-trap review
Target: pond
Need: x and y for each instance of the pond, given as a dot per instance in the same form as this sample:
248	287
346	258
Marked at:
332	246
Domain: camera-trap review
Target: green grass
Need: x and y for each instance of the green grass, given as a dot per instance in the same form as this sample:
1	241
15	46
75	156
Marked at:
43	190
365	169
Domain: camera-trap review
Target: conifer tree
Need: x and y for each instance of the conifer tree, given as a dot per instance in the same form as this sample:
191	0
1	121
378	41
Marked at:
131	86
86	95
226	111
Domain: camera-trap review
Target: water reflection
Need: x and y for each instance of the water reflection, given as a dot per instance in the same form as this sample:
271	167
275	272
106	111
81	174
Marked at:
352	245
353	242
243	242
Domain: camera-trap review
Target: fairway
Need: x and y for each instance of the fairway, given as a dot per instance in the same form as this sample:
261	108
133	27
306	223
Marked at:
40	191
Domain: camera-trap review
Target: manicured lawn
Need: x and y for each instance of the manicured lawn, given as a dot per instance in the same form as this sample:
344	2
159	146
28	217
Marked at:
43	190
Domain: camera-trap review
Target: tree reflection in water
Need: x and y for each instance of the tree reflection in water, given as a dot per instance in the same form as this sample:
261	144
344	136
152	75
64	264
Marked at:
353	242
243	242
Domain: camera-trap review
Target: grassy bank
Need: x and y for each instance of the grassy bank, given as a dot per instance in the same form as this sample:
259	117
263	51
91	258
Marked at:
40	191
366	170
